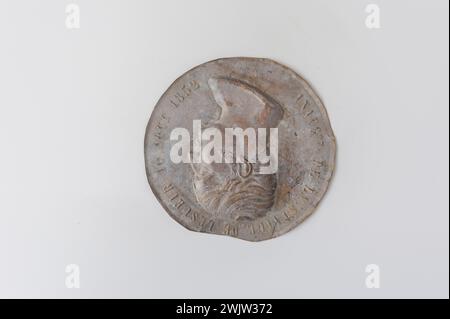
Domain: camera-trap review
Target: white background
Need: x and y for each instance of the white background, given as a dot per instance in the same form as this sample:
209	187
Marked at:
74	105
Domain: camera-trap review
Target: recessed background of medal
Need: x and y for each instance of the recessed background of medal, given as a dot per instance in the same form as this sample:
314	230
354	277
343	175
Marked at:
306	146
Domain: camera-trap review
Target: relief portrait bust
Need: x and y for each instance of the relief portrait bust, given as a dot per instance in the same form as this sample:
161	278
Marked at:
237	191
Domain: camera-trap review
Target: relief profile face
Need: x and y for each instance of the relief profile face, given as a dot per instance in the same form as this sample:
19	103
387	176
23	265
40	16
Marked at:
238	191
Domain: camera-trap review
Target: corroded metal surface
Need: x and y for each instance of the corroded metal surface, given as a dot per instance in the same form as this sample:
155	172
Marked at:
231	198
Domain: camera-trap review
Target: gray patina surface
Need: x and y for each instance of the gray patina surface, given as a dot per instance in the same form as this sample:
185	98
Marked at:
232	198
